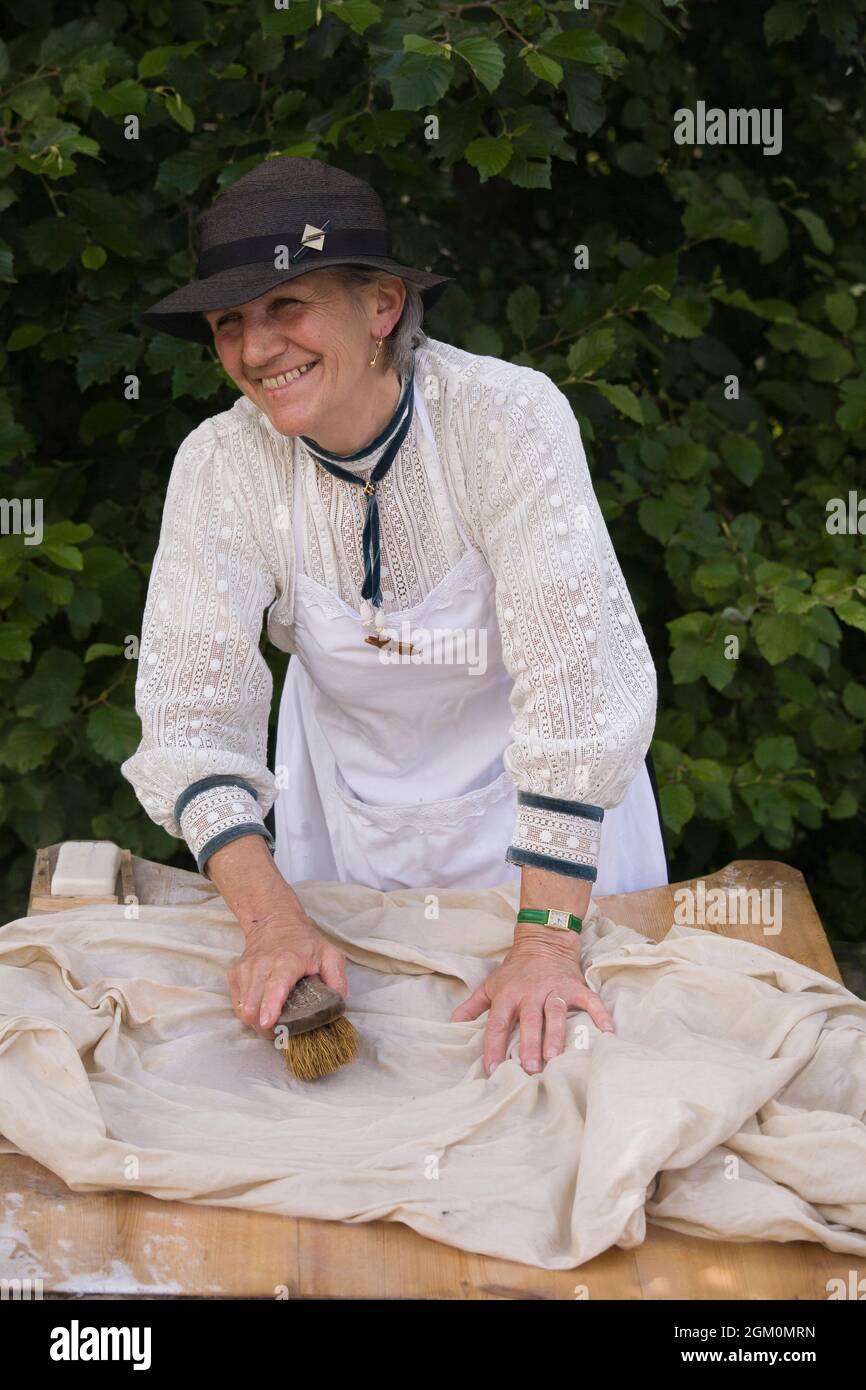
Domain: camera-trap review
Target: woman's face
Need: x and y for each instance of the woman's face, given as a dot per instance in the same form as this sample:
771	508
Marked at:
300	351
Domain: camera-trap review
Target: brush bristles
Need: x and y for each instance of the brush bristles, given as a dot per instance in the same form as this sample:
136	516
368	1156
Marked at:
322	1050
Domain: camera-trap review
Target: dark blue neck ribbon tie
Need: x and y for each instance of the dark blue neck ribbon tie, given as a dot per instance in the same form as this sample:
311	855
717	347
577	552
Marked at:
370	537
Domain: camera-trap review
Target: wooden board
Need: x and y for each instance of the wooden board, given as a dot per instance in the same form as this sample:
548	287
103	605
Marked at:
43	900
120	1244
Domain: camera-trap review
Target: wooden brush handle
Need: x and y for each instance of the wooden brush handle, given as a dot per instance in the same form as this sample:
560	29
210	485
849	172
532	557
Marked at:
311	1004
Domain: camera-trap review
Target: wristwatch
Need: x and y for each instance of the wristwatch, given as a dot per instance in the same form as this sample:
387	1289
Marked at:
551	917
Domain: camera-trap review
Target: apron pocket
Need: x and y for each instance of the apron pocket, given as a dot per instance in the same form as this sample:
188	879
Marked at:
455	842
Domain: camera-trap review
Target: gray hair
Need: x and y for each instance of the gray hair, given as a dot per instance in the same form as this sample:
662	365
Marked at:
407	332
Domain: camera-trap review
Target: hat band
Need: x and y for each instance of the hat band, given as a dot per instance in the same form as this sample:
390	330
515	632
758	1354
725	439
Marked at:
351	241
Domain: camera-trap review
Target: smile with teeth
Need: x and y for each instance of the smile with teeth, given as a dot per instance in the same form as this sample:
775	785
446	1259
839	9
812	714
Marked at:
272	383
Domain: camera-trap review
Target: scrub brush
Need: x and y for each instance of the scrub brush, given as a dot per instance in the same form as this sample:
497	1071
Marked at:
313	1032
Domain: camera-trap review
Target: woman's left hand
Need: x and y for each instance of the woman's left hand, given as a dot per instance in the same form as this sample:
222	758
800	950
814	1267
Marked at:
536	984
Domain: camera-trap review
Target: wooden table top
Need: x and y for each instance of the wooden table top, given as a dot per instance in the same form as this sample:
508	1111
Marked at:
116	1244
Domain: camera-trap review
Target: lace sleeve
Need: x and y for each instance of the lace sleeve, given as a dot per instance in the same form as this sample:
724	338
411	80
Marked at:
584	696
203	689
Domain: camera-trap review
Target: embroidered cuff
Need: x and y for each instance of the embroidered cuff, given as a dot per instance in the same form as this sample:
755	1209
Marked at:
215	810
551	833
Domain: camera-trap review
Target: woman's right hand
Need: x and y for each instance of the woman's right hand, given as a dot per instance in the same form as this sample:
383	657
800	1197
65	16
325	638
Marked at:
281	948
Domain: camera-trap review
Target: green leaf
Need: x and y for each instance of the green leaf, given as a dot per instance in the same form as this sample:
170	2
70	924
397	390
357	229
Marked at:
658	518
483	340
50	691
114	732
122	99
156	60
523	309
689	625
298	16
790	600
586	110
854	700
816	227
771	231
68	557
785	20
25	746
52	242
99	649
622	398
776	751
417	43
419	80
648	276
489	155
358	14
24	336
851	415
585	46
852	612
179	111
845	806
528	173
684	318
717	574
685	664
57	588
484	58
743	457
103	357
85	609
591	352
102	563
830	730
15	641
714	801
185	171
678	805
841	310
68	532
688	459
746	529
93	257
546	68
735	189
778	636
48	144
31	98
716	668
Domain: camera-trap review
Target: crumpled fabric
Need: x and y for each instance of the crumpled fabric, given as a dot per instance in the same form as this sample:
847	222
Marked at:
729	1103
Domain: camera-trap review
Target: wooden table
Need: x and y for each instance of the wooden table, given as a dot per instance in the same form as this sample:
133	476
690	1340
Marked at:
119	1244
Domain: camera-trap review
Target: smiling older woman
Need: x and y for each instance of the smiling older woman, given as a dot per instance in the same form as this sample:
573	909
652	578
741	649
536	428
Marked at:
393	502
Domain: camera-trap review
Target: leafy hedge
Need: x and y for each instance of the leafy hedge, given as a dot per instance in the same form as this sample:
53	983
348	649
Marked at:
553	131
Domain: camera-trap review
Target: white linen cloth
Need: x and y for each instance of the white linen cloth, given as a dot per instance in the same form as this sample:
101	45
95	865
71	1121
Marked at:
583	695
729	1103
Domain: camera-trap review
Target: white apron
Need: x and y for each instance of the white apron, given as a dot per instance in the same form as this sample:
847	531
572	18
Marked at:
391	774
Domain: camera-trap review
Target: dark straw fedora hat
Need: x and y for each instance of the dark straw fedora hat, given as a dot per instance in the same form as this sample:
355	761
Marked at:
284	218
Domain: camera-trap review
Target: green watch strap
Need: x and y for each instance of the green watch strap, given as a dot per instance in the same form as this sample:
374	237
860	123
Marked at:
550	917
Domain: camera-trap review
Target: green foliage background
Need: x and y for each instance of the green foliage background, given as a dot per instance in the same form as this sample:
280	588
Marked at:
555	130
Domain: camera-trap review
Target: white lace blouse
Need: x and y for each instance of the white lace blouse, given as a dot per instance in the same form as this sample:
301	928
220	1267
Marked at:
584	694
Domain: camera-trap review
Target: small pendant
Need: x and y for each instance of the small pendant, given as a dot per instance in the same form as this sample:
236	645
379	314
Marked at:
391	643
371	615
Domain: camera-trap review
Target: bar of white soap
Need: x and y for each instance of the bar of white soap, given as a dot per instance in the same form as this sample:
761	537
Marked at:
85	869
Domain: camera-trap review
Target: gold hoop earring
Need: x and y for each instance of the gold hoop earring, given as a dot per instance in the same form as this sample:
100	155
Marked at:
372	361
